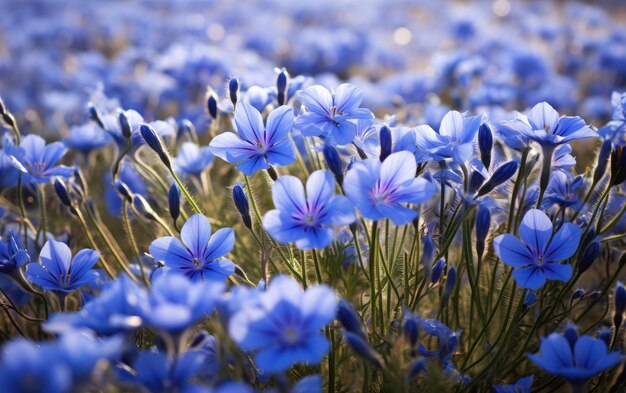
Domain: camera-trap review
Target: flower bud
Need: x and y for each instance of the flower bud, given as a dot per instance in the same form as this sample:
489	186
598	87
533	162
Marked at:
124	125
62	192
437	271
588	257
476	180
272	172
124	191
618	166
385	142
233	90
349	319
281	86
410	331
483	221
428	255
333	161
153	140
500	175
241	203
485	144
362	348
211	103
579	293
620	298
530	299
448	287
95	116
605	335
173	199
417	367
603	160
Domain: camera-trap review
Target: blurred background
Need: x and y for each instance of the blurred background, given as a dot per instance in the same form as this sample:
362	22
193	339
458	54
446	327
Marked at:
159	56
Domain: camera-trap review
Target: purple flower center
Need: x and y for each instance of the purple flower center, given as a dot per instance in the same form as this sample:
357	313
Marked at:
382	193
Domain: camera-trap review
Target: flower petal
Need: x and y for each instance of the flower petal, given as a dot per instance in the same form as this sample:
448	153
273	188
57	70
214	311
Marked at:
512	252
536	230
195	234
531	277
564	243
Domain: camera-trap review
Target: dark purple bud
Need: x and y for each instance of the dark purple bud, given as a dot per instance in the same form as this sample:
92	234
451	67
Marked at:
449	286
362	348
233	90
62	193
349	319
618	166
589	237
272	172
385	142
502	174
411	331
9	119
476	180
241	203
530	299
620	298
124	125
437	271
571	334
603	161
143	207
95	116
589	256
124	191
333	161
153	140
485	144
483	222
579	293
211	103
281	86
173	199
428	255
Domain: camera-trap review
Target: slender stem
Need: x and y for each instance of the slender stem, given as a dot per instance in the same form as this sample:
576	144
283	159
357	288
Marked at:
92	242
316	262
373	274
185	192
133	241
521	175
546	169
43	226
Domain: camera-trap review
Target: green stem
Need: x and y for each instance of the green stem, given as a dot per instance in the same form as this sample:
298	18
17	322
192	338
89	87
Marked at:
133	241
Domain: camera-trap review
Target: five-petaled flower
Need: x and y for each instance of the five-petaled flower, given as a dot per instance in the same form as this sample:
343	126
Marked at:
199	255
284	326
537	258
307	220
60	272
39	161
332	114
257	146
379	189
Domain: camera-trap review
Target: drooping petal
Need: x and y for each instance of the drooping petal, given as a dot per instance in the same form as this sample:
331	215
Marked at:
531	277
564	243
39	276
343	132
314	237
195	234
254	163
536	230
512	252
170	251
282	227
232	148
397	213
558	271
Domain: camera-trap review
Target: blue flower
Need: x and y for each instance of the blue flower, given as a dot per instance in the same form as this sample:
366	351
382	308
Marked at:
27	367
379	189
192	160
563	190
39	160
577	361
155	372
118	308
12	257
522	385
332	113
307	220
537	258
199	254
257	146
455	139
284	328
544	126
58	271
86	137
176	303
